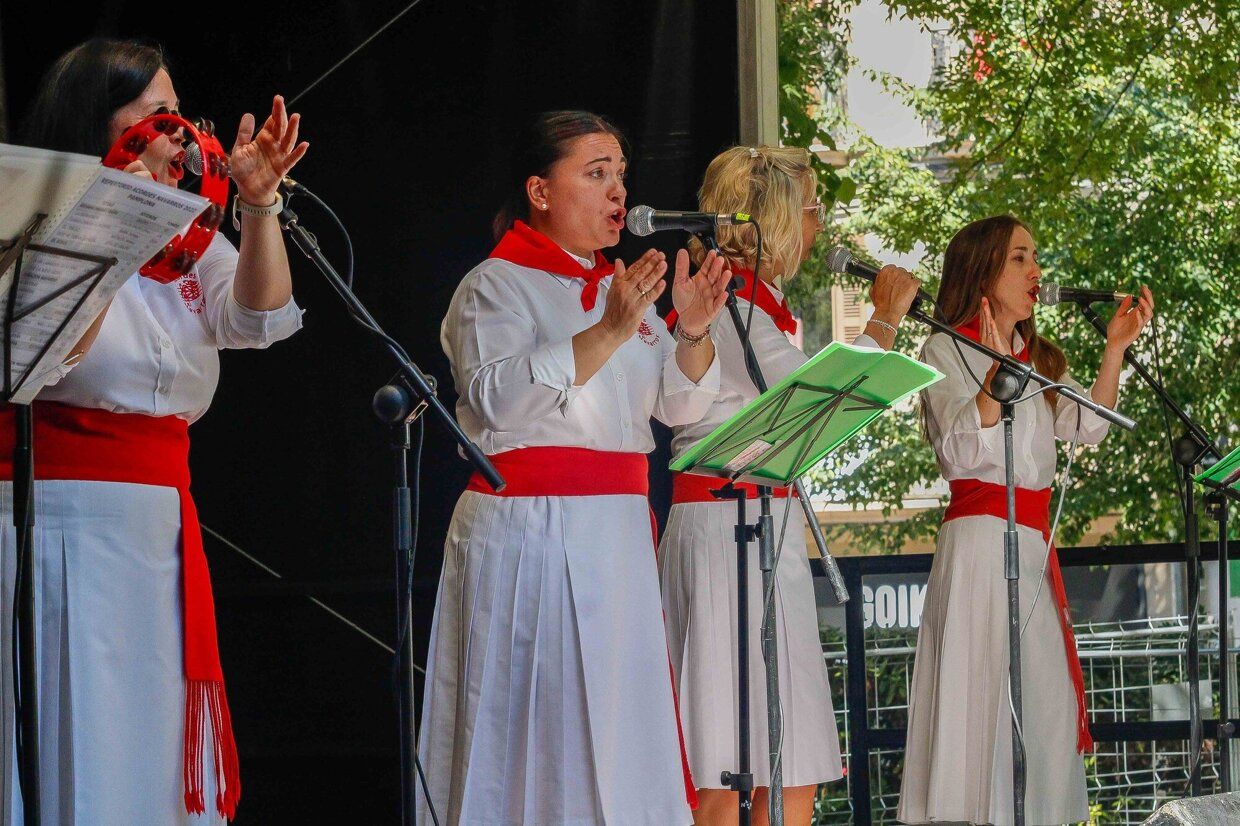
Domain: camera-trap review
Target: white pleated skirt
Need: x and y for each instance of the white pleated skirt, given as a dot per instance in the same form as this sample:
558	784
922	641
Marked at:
548	691
958	760
111	680
697	569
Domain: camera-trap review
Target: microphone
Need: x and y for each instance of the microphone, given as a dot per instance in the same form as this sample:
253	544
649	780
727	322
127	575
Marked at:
193	162
643	220
841	260
1051	294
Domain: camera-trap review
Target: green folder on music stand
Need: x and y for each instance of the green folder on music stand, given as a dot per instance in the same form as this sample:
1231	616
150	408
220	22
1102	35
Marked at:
787	430
1224	474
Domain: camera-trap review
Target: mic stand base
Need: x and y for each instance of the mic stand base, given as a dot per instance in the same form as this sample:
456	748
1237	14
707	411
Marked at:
1187	453
1192	571
741	781
1007	386
770	651
421	387
1217	509
395	407
25	676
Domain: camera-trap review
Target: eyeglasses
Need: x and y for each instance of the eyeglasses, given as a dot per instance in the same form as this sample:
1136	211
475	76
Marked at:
820	210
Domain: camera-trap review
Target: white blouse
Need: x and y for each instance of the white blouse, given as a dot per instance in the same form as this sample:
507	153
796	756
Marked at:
508	334
966	450
777	356
157	351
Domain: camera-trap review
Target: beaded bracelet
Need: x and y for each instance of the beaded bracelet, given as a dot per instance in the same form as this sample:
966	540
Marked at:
692	341
883	324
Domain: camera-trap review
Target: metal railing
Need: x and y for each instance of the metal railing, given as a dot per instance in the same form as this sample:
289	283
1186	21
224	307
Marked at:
1139	761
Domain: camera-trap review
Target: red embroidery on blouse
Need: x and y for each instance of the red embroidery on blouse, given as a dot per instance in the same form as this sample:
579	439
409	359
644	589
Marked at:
646	334
191	292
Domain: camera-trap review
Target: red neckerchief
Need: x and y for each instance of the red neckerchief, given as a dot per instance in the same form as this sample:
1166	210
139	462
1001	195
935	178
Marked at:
777	310
527	247
973	329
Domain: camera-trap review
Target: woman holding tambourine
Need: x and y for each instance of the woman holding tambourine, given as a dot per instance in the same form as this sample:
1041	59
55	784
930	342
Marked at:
134	722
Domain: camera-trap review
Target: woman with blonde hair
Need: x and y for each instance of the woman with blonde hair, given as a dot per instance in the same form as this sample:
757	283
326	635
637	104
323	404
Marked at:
697	568
958	762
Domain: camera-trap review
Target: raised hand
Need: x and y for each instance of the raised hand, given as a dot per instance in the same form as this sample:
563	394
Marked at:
1130	319
259	161
633	289
699	299
989	332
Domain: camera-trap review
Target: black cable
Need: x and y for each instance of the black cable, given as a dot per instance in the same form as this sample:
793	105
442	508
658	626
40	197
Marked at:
1182	493
415	510
15	649
300	189
753	288
416	496
980	386
1179	482
373	328
346	291
417	764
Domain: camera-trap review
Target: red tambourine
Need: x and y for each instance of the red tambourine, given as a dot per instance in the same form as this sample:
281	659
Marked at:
179	256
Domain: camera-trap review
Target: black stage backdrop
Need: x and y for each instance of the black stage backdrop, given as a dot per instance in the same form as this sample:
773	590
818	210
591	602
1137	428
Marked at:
408	142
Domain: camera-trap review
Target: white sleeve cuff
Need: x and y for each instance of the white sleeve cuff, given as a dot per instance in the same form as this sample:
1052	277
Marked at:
554	365
966	442
675	381
258	328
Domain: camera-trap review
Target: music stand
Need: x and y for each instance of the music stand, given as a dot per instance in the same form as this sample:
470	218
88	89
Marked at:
1222	483
25	676
772	441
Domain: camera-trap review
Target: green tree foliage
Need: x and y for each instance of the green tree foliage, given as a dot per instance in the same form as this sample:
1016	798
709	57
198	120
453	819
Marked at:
812	57
1109	126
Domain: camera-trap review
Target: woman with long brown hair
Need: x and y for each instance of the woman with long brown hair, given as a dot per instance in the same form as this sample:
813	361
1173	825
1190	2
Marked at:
958	761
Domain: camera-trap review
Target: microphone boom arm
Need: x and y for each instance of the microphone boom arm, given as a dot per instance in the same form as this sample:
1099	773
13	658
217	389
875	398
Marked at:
1195	431
1019	368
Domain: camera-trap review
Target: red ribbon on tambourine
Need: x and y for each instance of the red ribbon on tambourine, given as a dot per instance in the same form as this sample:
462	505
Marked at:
182	252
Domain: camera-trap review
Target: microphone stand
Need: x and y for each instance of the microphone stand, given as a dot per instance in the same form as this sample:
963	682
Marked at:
1007	386
421	388
1190	450
742	780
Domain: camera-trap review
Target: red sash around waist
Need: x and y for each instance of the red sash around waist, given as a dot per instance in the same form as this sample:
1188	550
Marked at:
972	497
579	471
76	443
694	487
567	471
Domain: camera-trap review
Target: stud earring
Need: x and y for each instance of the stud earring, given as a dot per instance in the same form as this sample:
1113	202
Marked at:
542	206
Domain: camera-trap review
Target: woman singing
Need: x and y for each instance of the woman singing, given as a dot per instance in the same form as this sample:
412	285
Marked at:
549	697
697	566
134	723
958	762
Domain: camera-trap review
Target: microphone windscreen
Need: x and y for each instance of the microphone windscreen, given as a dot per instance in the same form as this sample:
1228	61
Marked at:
838	258
640	220
1048	293
193	158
